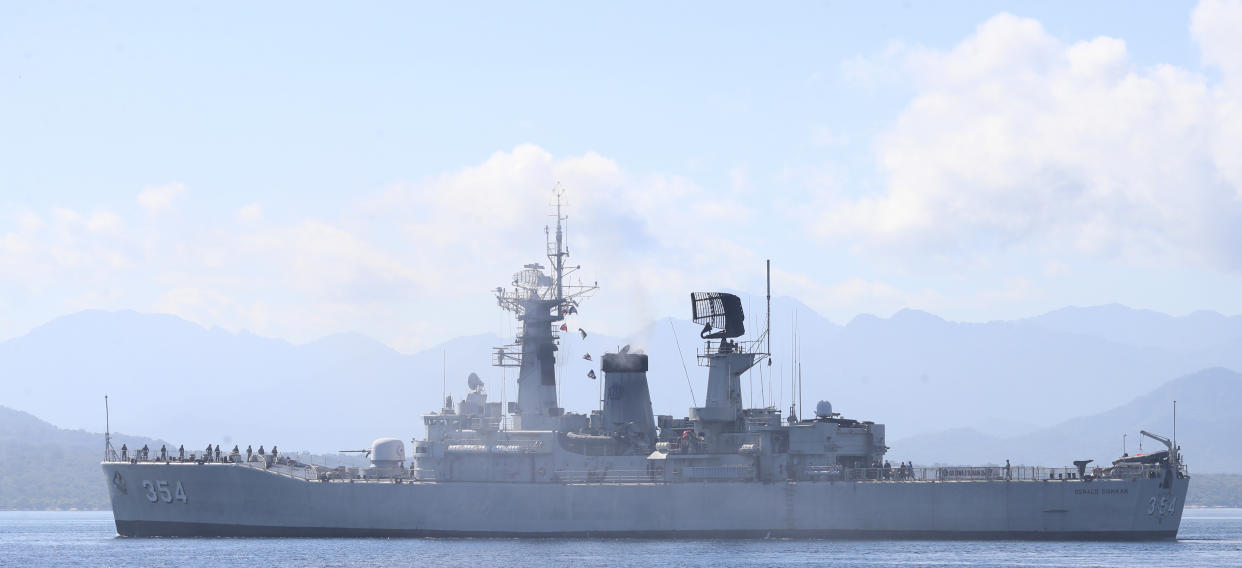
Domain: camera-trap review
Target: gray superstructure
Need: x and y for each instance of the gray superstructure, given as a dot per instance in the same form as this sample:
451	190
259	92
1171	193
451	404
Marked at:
533	469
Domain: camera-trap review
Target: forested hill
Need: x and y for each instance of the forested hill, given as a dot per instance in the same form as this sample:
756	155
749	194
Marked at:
43	467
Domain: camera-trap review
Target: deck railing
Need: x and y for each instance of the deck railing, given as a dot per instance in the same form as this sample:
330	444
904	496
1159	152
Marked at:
987	473
997	473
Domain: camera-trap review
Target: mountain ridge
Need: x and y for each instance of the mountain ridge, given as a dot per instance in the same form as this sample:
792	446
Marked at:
914	371
1207	421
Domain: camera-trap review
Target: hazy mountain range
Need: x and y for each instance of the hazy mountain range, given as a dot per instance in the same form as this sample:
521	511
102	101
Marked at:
1005	381
45	467
1208	434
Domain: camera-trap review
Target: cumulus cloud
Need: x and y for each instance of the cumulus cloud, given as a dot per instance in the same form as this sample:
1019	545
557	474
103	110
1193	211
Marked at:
159	198
66	249
633	232
203	306
323	262
1214	25
411	263
855	294
250	213
1016	138
104	222
876	70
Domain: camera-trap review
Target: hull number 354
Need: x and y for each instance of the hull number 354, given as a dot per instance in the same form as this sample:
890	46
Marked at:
160	491
1161	507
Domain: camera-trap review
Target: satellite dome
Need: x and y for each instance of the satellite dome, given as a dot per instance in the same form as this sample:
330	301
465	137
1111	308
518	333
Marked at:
823	409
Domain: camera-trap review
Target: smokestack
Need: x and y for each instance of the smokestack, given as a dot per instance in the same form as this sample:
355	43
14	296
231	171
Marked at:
627	399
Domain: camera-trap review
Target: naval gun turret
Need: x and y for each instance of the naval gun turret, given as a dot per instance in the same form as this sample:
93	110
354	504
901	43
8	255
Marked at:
387	457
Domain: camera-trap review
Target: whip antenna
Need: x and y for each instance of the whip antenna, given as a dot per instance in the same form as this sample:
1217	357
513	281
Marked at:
767	328
108	451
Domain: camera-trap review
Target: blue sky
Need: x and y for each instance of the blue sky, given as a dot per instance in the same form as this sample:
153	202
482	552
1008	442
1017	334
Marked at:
298	170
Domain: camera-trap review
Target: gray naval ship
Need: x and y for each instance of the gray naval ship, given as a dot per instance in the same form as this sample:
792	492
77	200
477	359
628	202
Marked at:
530	468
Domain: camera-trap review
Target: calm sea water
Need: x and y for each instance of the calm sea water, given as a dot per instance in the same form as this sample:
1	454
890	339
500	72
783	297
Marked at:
1207	538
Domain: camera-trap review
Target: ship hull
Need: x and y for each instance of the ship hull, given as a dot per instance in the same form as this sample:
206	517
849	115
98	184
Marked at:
187	499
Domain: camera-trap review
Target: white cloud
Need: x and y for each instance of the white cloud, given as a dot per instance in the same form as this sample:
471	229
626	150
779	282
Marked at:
1016	288
874	71
160	198
1055	269
824	136
69	249
64	217
203	306
632	232
104	222
853	295
411	264
1015	138
1013	141
250	213
325	263
29	221
1214	24
737	179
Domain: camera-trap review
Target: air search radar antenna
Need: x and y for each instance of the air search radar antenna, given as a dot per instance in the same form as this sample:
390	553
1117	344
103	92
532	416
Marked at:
720	313
722	317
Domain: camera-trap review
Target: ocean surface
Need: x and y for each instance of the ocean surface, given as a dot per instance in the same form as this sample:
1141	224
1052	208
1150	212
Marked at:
1208	537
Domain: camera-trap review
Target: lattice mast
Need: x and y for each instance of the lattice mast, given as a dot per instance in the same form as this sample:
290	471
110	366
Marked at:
540	301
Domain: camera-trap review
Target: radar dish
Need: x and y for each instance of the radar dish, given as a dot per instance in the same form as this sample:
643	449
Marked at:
719	312
474	382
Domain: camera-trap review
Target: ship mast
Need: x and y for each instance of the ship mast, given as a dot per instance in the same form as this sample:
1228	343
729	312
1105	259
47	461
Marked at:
558	258
540	301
